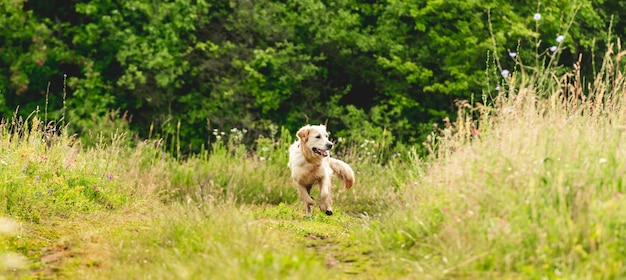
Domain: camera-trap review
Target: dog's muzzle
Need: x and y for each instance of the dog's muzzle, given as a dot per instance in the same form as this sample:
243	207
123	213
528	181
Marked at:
320	152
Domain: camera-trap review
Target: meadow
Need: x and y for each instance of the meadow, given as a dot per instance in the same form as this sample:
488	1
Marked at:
526	184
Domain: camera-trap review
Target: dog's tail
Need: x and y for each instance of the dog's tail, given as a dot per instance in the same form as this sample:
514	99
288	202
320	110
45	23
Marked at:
343	171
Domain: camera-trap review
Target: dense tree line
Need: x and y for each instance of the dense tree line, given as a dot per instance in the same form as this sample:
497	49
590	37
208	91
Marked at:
184	67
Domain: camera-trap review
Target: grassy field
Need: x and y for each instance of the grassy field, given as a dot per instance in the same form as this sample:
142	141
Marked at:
529	185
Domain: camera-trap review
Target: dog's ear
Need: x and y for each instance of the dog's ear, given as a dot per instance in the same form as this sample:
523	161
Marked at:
303	133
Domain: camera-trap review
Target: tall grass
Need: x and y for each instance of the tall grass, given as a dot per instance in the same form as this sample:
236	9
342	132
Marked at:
531	188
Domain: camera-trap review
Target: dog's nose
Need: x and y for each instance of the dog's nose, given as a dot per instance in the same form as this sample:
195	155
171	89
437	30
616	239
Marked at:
329	146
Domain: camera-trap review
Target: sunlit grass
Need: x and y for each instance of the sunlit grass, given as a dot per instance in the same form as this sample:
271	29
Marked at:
536	190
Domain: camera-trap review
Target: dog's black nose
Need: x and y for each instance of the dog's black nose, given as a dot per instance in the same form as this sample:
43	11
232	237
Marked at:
329	146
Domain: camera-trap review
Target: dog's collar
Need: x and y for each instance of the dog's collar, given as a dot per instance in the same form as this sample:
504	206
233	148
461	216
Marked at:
313	159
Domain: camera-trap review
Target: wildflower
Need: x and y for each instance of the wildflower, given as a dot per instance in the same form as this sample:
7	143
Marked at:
110	176
497	88
553	49
505	73
37	179
512	54
537	16
603	160
560	38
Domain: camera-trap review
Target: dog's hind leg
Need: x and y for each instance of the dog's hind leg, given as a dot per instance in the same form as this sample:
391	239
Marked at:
326	200
305	197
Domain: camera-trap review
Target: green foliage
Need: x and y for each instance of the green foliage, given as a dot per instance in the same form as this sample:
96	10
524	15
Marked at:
182	68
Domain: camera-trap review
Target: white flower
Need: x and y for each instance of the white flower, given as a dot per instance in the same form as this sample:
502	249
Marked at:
537	16
553	48
602	160
512	54
497	88
560	38
505	73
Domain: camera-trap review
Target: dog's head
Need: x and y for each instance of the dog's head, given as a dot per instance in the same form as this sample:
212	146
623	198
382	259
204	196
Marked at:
315	138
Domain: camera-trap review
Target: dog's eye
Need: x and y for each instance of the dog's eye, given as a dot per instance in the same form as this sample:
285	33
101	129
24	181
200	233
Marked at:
318	137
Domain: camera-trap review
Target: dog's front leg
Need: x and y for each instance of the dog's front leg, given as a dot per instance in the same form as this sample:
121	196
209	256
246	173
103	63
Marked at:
326	200
305	197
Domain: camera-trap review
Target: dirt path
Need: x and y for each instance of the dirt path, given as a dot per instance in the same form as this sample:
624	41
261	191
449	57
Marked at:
338	239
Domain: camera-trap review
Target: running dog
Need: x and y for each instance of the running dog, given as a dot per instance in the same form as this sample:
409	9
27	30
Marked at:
310	164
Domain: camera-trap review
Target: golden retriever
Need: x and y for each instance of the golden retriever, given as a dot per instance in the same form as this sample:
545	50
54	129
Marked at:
310	164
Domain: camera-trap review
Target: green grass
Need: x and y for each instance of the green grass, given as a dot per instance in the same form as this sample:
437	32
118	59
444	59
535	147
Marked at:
112	211
530	186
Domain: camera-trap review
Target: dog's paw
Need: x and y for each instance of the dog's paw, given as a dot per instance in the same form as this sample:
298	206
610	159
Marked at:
329	212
